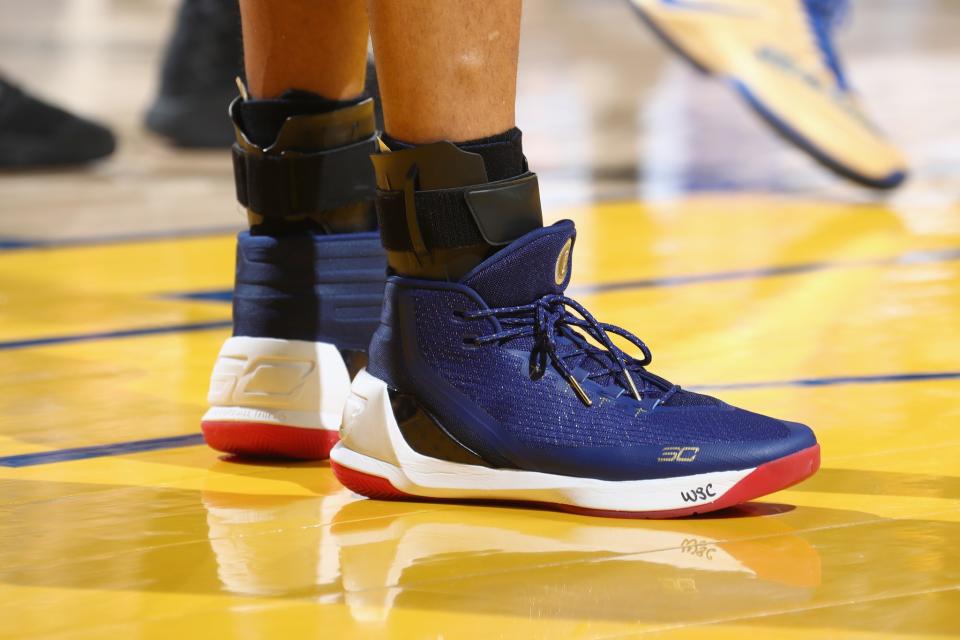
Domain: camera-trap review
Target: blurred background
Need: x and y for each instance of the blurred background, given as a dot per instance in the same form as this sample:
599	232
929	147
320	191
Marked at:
607	113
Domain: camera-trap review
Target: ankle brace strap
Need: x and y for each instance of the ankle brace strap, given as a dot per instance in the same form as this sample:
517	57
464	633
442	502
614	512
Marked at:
422	204
295	183
495	213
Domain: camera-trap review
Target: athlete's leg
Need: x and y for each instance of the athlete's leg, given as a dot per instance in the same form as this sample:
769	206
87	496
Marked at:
313	46
482	383
309	277
448	70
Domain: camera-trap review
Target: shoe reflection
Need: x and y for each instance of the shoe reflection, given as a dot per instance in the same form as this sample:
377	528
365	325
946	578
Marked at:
274	545
374	556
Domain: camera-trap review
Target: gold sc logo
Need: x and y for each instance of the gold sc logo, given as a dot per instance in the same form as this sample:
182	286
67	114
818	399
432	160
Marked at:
678	454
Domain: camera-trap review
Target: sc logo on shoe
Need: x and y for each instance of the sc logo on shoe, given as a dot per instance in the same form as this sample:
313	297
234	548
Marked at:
678	454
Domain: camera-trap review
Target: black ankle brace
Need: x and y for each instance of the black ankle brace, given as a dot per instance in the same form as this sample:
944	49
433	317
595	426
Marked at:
440	214
502	154
262	119
303	163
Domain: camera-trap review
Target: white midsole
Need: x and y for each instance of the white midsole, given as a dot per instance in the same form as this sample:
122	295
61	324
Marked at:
281	418
291	383
371	443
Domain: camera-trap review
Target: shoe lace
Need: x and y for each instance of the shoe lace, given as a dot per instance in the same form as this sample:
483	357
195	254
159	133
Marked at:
826	17
550	322
832	13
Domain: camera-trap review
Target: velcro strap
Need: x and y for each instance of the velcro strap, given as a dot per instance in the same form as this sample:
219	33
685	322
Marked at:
495	213
295	183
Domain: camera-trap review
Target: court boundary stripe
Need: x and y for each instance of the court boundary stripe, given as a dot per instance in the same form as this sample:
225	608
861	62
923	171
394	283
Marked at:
111	335
100	451
829	381
13	243
931	256
916	257
190	440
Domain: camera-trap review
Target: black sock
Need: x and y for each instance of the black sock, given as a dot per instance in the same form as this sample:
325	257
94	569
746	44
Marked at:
502	154
261	120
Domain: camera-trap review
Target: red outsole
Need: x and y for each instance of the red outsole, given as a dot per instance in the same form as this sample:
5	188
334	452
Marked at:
769	477
265	440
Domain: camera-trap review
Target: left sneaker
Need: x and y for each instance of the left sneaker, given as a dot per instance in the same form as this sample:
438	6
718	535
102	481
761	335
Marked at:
309	278
780	56
491	388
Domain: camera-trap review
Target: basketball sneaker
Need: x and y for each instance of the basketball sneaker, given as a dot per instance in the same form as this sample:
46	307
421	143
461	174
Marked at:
494	385
781	58
309	277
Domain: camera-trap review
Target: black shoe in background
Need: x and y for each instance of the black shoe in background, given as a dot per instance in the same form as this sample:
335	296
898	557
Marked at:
203	56
34	134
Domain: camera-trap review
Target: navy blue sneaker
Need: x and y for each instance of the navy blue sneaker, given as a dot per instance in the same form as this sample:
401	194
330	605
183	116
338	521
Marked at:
487	388
309	277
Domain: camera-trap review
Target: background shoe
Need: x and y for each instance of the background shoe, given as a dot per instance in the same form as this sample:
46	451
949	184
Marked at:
486	389
780	56
36	134
203	57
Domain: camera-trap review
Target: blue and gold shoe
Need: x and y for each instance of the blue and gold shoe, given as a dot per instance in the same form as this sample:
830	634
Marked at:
494	385
780	56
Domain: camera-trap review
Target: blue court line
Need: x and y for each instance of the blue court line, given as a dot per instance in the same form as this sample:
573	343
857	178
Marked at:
121	448
927	256
210	295
834	380
109	335
923	256
911	257
8	243
99	451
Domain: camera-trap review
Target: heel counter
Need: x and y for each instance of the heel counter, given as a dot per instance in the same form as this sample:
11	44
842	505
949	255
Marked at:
287	382
309	287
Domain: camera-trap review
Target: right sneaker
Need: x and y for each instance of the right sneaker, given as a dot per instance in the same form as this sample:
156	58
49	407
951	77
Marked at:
309	280
781	57
497	386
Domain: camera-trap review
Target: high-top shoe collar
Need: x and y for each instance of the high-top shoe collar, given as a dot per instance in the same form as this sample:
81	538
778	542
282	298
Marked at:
537	264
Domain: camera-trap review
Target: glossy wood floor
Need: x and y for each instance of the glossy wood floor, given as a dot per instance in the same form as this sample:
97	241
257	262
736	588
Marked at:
750	272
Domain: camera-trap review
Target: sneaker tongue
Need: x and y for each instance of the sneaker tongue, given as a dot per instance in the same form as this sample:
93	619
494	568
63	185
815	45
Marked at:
532	266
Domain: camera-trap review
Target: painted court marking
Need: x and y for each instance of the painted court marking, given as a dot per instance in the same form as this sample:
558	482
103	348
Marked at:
190	440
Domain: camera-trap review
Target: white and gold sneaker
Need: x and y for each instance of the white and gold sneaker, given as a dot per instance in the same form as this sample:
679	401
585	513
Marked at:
780	56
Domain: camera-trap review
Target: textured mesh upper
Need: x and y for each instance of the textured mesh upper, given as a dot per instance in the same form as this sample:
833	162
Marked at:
523	272
546	411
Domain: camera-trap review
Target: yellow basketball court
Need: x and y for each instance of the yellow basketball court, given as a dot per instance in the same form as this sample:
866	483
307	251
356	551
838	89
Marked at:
770	285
